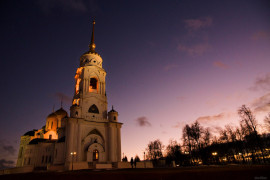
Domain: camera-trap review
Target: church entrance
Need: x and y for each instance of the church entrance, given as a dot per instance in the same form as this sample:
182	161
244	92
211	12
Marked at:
95	155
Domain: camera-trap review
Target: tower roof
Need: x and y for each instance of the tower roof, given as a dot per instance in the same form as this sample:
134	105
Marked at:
112	110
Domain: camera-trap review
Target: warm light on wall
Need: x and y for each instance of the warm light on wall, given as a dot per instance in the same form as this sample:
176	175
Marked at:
76	102
77	87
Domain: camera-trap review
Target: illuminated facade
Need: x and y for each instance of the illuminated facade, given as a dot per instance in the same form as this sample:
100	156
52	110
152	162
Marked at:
90	136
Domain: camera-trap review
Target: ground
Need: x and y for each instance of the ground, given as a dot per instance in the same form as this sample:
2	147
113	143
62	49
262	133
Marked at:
230	172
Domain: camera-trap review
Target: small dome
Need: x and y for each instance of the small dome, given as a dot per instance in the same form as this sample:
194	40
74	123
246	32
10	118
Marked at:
30	133
61	112
91	59
52	116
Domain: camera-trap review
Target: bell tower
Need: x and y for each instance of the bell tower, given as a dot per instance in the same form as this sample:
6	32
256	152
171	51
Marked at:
89	100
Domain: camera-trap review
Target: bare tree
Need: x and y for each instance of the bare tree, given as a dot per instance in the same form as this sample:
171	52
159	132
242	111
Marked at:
206	137
173	151
267	122
248	120
187	140
249	124
196	133
231	133
154	149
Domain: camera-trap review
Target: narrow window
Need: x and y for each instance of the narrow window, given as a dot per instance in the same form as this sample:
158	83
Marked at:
50	137
114	118
55	153
95	155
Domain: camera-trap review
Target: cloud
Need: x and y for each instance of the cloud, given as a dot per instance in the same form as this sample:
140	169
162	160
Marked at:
220	64
50	6
215	129
170	67
262	104
207	119
261	83
6	164
178	125
261	35
194	50
196	24
10	149
143	121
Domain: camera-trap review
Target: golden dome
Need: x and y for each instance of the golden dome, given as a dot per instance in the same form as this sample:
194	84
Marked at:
61	112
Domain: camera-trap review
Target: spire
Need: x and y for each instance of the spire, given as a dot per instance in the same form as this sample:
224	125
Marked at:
92	45
112	107
53	108
61	101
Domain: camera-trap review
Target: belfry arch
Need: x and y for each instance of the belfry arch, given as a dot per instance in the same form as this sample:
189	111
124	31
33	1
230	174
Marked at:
93	109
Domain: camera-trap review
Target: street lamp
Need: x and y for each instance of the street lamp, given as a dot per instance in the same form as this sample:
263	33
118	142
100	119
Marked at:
144	155
72	156
214	153
144	159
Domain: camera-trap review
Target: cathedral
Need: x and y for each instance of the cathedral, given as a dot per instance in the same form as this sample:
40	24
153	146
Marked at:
90	137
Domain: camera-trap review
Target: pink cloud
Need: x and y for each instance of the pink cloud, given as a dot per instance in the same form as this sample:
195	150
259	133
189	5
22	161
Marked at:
262	104
196	24
195	50
262	83
220	64
261	35
170	66
179	125
207	119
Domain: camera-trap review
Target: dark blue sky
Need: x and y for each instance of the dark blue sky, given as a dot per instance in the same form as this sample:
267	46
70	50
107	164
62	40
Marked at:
168	62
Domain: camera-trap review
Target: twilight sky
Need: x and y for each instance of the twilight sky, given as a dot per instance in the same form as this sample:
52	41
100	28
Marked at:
168	63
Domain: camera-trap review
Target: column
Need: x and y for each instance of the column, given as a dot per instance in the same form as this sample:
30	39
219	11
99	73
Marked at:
79	142
119	144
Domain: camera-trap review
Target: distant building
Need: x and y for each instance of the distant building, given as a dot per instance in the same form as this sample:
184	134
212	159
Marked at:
90	136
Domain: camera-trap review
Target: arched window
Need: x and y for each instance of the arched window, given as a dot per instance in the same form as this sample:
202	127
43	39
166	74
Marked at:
95	155
93	109
93	83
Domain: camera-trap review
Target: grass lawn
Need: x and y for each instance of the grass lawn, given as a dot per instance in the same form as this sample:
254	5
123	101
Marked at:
228	172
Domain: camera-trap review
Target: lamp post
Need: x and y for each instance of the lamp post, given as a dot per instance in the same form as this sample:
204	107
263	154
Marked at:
72	156
144	155
144	159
